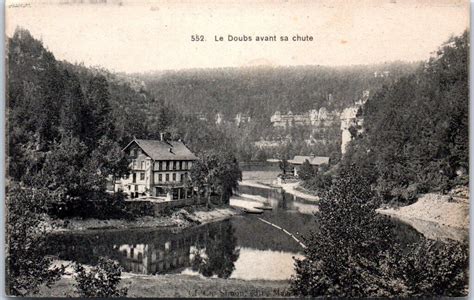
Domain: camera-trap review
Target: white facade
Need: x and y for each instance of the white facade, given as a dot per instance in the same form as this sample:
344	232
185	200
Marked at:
158	176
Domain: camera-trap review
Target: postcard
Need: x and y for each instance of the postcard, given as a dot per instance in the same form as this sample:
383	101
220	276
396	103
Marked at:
237	149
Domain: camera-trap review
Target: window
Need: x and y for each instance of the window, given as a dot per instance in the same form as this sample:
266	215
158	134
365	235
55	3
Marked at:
182	177
142	175
142	165
179	165
167	177
174	163
174	176
167	165
160	178
160	166
190	164
185	165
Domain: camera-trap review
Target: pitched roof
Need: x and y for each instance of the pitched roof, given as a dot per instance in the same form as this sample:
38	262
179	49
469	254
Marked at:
313	160
164	150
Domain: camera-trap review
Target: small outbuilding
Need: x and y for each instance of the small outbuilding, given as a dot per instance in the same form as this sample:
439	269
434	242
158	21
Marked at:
315	161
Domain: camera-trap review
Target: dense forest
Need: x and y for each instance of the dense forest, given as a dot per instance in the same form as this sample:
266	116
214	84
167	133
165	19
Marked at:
67	122
67	126
258	92
415	141
416	129
415	137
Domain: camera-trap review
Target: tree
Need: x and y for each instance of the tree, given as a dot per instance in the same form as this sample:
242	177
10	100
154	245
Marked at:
306	171
217	172
434	268
111	160
101	281
343	257
73	100
219	255
355	254
27	265
96	115
416	128
284	165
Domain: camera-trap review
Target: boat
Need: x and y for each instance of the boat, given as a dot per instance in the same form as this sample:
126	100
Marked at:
265	207
252	210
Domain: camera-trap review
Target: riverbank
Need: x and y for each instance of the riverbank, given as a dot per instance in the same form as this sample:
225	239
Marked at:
435	216
295	189
290	188
179	219
173	285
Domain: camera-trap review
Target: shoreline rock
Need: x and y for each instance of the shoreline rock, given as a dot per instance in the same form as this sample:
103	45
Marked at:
435	216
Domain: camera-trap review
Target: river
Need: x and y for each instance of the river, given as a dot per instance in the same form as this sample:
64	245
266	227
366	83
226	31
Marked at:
243	247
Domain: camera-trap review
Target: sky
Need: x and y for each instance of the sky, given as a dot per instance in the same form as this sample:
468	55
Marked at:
143	36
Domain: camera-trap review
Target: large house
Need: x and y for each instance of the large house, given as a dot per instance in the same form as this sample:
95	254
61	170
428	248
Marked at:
314	161
315	118
159	168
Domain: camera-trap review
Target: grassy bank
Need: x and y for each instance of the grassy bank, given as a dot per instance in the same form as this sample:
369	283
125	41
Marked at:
182	218
181	286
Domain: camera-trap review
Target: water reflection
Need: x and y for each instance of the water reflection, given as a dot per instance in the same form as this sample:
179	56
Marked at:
243	247
155	251
218	255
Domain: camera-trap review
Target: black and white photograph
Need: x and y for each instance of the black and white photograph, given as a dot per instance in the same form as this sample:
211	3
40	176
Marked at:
236	149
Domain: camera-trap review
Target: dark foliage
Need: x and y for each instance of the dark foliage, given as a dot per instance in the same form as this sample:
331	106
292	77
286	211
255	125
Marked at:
260	92
216	172
219	254
341	258
416	129
62	133
101	281
355	253
27	266
318	183
306	171
284	165
434	268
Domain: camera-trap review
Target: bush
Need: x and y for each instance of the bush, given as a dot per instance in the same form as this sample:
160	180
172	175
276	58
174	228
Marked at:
27	265
355	253
406	195
319	183
106	206
342	257
101	281
433	268
306	171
